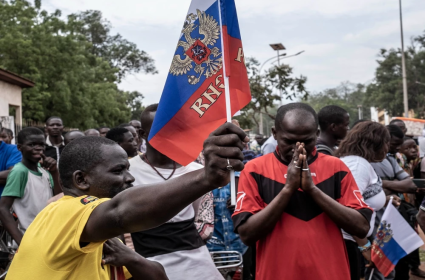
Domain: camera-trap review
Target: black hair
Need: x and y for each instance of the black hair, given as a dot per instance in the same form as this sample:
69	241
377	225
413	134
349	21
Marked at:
304	109
395	131
68	134
117	134
81	154
396	121
124	125
149	109
53	117
8	131
358	122
28	131
329	115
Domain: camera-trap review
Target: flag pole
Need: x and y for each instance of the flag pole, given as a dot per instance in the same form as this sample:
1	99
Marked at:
228	104
371	273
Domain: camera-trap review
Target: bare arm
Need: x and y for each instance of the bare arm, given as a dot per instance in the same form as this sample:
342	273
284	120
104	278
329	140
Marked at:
262	223
139	209
119	255
51	165
344	217
403	186
3	176
421	218
7	219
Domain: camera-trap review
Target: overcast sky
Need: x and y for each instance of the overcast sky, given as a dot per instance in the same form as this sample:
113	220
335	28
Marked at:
341	38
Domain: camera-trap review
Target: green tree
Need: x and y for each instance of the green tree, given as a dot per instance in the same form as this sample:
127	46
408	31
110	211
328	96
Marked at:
347	95
386	91
71	80
265	91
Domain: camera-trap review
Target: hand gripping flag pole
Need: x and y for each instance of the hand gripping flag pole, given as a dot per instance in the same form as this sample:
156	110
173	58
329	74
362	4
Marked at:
228	103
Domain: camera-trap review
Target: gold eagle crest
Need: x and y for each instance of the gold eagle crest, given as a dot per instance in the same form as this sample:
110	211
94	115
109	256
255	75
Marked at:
197	51
384	234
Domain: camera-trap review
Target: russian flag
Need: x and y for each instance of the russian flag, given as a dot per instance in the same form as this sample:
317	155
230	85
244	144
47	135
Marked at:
193	103
394	240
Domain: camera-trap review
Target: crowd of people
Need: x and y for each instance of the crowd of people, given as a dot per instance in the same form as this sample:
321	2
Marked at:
310	200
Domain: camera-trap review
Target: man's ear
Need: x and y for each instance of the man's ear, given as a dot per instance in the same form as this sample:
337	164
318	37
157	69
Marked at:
79	180
318	133
19	146
332	126
274	132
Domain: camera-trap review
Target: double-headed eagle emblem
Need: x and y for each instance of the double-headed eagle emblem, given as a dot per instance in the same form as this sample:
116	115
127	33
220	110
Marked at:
384	234
197	51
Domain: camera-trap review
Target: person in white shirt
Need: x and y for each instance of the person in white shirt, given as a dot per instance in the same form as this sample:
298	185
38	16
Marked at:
176	244
367	142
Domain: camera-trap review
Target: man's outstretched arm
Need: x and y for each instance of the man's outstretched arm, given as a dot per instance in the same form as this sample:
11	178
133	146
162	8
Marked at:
142	208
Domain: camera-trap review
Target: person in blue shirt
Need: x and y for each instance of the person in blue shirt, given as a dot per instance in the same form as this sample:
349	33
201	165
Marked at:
224	238
9	156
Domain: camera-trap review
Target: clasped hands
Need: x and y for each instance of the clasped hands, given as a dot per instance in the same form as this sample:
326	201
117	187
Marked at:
299	175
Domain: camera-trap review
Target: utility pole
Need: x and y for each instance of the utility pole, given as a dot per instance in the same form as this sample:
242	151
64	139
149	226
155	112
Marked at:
403	65
278	47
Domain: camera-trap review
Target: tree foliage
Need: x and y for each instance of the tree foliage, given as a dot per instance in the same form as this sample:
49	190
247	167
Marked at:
386	91
347	95
75	63
266	88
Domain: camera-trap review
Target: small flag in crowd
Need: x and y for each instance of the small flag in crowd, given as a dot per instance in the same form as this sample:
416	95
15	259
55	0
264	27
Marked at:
394	240
193	103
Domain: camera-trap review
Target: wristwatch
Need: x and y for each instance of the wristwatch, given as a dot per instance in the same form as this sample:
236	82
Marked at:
365	247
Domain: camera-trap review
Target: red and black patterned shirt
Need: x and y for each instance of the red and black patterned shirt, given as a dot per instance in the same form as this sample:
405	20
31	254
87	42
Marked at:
305	243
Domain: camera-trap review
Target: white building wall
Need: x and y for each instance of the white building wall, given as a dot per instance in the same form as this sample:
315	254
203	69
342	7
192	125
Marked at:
11	95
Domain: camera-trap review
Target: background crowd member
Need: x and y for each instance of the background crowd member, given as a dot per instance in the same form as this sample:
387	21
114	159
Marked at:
125	139
6	135
365	143
408	159
100	203
297	223
224	238
401	124
175	244
54	140
92	132
9	156
334	123
394	181
29	185
103	130
269	146
72	135
133	131
141	143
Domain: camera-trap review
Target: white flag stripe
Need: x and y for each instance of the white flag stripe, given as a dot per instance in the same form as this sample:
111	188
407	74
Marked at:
403	233
201	5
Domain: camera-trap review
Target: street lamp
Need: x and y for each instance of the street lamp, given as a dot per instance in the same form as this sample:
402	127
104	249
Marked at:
264	63
298	53
403	65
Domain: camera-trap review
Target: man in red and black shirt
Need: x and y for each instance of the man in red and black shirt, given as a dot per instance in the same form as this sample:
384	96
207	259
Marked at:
294	202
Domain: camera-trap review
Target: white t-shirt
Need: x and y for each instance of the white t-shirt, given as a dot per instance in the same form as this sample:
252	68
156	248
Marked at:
188	264
369	184
31	190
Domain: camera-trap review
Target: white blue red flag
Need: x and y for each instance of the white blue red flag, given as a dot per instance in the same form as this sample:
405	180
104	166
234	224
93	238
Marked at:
394	240
193	103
